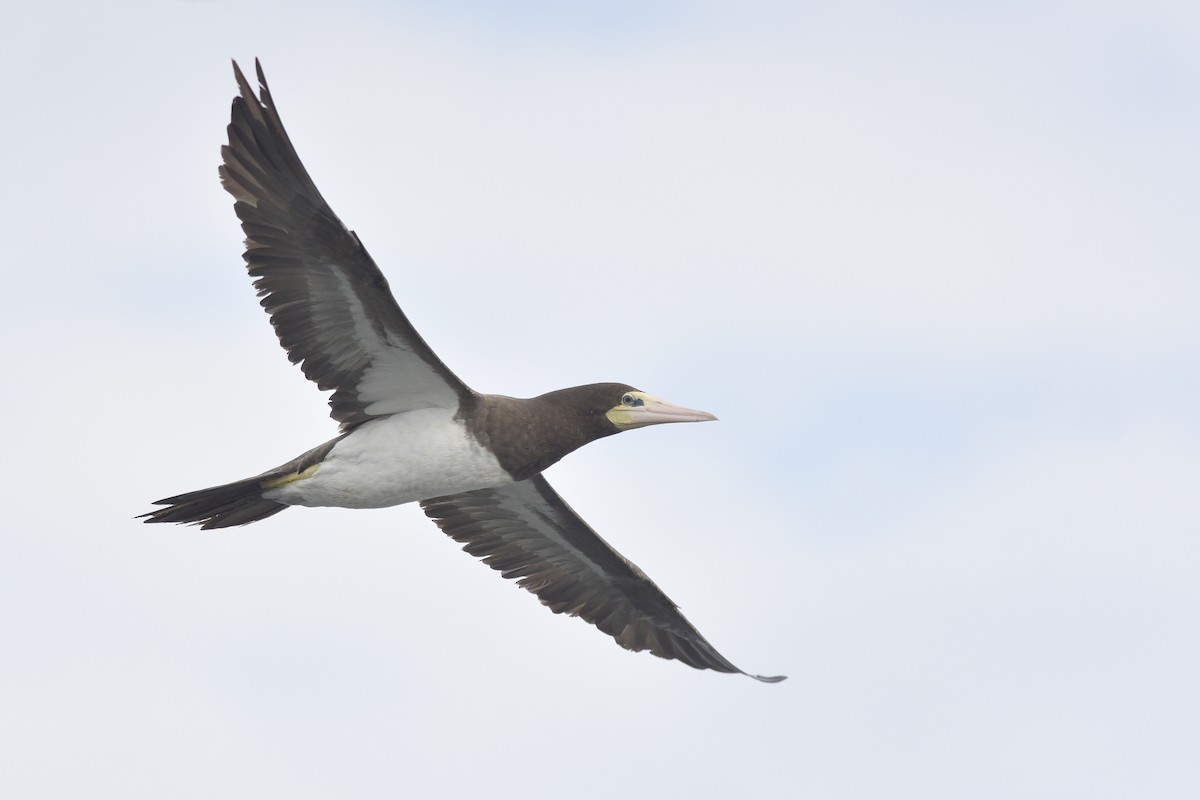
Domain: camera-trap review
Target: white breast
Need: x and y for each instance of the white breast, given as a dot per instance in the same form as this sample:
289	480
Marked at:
398	459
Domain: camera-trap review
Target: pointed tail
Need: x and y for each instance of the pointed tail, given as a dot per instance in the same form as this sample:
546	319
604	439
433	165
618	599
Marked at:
240	502
237	503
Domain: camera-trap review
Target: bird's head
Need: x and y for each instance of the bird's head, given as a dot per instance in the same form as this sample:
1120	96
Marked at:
636	409
532	434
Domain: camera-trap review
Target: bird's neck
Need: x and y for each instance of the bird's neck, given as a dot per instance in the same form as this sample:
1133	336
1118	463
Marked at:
528	435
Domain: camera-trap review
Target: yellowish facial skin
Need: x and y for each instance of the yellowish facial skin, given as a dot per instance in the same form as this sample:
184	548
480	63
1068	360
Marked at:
638	409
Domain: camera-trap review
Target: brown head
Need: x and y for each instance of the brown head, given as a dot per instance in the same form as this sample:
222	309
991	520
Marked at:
528	435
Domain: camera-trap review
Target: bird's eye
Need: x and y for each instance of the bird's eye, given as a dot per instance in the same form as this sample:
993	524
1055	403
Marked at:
631	400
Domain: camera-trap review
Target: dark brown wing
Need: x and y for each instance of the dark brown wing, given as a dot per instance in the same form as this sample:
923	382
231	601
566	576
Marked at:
527	532
329	304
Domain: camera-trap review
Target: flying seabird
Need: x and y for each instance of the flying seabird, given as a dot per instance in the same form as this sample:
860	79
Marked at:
410	429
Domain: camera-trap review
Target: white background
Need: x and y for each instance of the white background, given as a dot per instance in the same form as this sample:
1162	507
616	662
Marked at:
934	265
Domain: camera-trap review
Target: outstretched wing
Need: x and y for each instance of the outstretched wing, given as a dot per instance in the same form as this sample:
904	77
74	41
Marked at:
526	531
329	304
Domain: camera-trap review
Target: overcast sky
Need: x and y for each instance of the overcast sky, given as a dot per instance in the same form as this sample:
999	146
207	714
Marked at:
934	266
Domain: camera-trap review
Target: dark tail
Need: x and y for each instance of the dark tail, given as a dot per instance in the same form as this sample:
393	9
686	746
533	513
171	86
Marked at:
240	502
235	503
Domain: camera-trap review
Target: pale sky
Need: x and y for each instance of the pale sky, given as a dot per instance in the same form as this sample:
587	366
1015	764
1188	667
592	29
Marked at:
934	266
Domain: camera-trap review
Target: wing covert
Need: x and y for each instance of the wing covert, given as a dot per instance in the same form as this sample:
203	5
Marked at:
329	303
528	533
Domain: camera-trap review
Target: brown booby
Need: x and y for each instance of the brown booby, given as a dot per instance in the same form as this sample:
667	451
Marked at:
410	429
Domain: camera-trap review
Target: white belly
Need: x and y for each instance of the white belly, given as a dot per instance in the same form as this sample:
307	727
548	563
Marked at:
398	459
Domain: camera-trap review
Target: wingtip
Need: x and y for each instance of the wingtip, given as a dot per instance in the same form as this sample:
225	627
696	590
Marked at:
767	678
263	90
262	76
